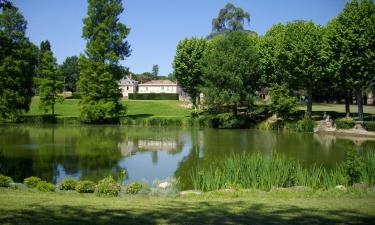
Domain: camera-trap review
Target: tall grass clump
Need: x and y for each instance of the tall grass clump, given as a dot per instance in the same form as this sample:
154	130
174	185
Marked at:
258	172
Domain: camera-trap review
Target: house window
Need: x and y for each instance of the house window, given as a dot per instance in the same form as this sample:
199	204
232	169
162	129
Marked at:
146	88
127	88
162	88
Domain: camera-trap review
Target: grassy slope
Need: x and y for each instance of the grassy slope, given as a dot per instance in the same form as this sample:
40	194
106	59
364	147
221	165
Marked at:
210	208
70	108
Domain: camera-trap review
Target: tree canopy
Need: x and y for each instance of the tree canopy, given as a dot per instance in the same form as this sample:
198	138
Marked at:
70	72
350	47
187	66
100	70
231	70
18	57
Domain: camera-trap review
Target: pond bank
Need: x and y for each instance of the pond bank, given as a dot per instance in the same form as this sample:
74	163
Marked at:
208	208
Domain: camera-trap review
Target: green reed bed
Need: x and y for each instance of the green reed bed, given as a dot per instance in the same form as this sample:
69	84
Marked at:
259	172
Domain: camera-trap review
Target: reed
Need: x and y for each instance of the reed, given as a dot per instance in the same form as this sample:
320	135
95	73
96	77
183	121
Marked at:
258	172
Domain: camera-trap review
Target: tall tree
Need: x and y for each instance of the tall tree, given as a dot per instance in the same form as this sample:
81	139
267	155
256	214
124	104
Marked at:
231	71
350	47
230	18
70	72
187	66
48	81
292	54
155	71
100	70
18	57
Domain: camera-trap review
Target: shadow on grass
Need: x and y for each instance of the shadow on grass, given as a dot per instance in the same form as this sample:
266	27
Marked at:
174	212
139	116
335	115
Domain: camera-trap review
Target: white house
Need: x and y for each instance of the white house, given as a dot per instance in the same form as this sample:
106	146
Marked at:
128	85
158	86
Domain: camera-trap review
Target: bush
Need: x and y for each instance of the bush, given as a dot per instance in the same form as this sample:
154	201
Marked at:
31	182
5	181
108	187
229	121
68	184
85	186
306	125
282	103
369	126
133	188
353	166
153	96
45	186
344	123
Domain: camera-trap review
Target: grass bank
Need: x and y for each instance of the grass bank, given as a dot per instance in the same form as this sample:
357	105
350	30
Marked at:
281	207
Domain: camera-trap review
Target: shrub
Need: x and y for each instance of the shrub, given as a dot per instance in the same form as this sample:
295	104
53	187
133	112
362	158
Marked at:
85	186
306	125
45	186
153	96
5	181
353	166
229	121
283	104
68	184
108	187
133	188
370	126
194	113
344	123
31	182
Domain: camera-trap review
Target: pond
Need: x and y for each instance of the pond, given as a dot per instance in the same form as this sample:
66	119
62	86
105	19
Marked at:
149	153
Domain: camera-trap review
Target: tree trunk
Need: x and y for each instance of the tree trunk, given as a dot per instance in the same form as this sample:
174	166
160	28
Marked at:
364	99
347	105
309	101
360	104
235	109
198	100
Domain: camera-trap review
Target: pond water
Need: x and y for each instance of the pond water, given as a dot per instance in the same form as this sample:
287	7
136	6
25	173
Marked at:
149	153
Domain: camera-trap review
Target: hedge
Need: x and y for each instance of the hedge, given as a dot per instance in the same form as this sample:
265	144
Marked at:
344	123
370	126
153	96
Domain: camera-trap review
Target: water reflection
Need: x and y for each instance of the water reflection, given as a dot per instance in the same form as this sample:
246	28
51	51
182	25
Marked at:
93	152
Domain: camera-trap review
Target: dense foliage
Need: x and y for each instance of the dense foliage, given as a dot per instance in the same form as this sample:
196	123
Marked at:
100	70
31	182
108	187
282	103
44	186
68	184
5	181
133	188
18	57
187	66
70	72
231	71
48	81
85	186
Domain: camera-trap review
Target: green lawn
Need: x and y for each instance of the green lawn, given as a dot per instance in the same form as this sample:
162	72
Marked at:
19	207
135	108
370	109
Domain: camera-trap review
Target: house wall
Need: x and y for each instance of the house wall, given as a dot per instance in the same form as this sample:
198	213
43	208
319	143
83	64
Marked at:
157	89
125	90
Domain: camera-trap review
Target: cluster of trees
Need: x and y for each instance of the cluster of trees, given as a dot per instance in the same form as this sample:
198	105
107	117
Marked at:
233	65
26	69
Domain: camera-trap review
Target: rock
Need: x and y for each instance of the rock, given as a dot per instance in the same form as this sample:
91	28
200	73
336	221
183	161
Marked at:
341	187
190	192
165	184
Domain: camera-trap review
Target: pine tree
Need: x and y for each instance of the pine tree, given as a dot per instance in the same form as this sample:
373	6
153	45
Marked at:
48	81
100	70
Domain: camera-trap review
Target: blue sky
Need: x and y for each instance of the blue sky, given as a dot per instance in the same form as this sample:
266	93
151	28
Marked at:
158	25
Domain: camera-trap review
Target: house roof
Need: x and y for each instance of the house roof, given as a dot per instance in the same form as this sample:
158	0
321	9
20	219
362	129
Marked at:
158	83
127	81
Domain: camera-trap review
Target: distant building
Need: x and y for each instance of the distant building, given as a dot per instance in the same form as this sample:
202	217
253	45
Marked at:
128	85
158	86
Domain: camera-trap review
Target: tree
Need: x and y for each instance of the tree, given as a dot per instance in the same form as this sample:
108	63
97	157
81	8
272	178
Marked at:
292	53
283	104
350	47
187	66
231	71
230	18
100	70
49	84
18	57
70	72
155	71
